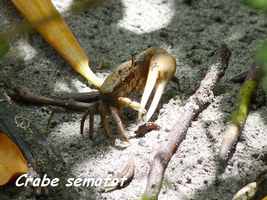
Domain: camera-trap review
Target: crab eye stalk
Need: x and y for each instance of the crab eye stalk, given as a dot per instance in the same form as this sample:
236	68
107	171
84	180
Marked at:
162	68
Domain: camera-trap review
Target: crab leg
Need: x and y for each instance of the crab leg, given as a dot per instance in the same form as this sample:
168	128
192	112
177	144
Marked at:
103	111
126	102
91	125
44	17
91	114
121	129
161	69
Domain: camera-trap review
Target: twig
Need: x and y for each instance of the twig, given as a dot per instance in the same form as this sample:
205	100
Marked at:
86	97
239	116
196	103
23	94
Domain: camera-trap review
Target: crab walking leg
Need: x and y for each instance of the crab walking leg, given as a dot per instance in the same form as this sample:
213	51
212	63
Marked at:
116	116
103	111
105	124
161	69
91	125
44	17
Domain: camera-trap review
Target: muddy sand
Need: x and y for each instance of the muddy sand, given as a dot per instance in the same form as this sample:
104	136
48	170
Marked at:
110	34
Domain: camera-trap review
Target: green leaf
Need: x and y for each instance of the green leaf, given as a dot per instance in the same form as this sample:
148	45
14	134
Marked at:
4	47
257	4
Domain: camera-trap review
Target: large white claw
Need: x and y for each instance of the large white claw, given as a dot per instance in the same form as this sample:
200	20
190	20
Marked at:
150	84
162	68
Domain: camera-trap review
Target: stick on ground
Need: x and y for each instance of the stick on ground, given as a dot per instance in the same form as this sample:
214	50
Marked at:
196	103
24	94
86	97
239	116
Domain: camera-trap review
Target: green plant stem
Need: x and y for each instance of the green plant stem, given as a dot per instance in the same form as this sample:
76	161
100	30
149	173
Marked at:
239	115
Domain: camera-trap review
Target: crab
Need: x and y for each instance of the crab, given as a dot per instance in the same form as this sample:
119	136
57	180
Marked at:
148	71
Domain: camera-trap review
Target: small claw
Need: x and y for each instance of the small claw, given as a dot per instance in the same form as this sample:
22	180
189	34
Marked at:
126	102
162	68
